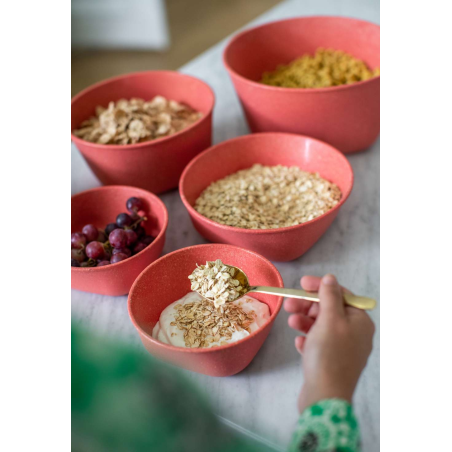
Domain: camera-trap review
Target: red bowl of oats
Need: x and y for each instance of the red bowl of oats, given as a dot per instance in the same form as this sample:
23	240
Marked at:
165	282
273	193
346	115
100	206
142	129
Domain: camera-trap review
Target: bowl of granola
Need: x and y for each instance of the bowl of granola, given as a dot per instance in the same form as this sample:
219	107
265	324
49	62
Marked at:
273	193
193	333
316	76
141	129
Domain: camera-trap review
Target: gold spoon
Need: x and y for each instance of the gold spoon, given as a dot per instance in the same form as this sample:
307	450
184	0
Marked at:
351	300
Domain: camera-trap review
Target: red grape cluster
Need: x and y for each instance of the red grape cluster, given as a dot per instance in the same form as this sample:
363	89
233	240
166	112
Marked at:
126	237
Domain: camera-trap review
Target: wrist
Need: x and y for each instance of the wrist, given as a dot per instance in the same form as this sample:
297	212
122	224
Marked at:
316	391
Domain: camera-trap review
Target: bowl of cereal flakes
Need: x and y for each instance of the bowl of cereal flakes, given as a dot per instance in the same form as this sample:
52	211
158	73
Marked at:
316	76
177	325
141	129
272	193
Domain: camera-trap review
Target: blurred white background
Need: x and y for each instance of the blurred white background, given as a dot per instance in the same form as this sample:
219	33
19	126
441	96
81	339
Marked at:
113	37
134	24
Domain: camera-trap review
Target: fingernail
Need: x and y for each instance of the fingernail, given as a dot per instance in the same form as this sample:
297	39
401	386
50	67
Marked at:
329	280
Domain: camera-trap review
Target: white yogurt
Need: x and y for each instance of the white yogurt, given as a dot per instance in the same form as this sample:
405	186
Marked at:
171	334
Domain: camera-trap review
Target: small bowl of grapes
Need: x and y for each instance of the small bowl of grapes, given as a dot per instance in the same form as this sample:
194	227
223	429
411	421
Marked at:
116	232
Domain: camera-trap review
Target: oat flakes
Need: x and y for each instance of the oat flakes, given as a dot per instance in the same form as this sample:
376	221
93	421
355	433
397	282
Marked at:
215	281
268	197
203	323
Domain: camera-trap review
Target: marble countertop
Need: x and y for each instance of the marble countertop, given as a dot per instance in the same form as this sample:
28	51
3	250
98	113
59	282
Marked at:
262	398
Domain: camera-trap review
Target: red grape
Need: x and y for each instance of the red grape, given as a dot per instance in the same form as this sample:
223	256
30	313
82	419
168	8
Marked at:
134	204
110	227
91	232
118	238
118	258
148	239
95	247
139	231
95	250
135	216
140	246
125	251
123	219
131	237
78	255
78	240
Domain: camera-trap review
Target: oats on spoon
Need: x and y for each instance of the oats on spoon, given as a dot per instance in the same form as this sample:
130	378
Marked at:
215	282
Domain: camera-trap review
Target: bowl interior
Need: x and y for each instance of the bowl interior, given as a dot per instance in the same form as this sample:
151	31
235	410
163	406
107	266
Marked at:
102	205
166	280
263	48
145	85
267	149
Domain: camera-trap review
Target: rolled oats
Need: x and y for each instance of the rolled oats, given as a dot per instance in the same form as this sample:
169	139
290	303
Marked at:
135	120
268	197
215	281
203	323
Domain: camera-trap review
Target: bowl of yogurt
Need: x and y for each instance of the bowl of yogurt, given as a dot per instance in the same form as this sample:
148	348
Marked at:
179	326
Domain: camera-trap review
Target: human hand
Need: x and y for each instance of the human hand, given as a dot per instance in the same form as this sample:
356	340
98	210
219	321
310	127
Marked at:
337	344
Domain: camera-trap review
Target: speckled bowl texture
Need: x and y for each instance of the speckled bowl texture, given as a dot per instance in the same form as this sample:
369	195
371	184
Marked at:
153	165
282	244
347	116
101	206
166	281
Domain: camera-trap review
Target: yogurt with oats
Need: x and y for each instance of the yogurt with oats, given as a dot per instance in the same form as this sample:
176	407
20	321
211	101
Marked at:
194	322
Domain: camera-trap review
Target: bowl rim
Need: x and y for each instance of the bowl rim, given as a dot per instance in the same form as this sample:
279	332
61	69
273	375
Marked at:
282	89
134	146
202	350
129	259
200	217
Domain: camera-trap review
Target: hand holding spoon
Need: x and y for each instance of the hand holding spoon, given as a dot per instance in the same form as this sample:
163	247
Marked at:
351	300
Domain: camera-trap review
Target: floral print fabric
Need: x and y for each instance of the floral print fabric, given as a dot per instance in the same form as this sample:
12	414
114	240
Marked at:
327	426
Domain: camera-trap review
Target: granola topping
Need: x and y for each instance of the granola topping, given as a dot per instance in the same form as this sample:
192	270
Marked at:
326	68
268	197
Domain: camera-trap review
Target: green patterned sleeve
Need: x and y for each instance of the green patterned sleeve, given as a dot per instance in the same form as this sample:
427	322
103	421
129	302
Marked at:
327	426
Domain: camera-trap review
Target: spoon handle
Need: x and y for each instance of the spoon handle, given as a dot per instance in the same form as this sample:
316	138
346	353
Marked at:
351	300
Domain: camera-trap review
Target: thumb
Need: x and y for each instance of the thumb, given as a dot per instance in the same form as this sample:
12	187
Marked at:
330	294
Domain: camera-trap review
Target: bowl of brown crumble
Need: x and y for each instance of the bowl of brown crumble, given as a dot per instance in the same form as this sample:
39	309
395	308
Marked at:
272	193
176	324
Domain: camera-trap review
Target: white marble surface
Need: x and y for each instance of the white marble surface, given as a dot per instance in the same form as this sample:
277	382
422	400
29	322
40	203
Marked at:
262	398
